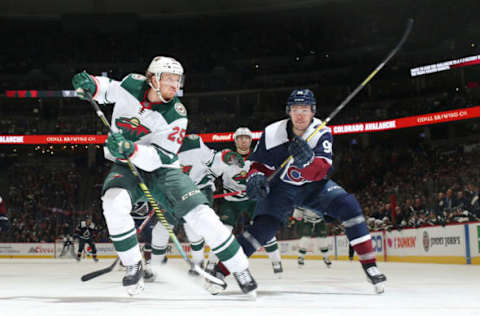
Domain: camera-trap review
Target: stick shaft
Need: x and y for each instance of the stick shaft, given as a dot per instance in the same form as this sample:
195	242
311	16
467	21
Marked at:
353	93
151	199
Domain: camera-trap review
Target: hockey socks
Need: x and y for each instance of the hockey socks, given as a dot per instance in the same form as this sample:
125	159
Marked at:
364	249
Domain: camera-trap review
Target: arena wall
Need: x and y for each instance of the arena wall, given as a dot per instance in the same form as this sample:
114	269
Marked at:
455	244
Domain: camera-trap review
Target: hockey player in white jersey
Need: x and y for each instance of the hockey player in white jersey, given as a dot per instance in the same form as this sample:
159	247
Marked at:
310	224
149	123
232	167
196	158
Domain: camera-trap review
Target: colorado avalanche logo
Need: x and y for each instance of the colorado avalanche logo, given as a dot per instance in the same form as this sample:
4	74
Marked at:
131	128
294	174
240	178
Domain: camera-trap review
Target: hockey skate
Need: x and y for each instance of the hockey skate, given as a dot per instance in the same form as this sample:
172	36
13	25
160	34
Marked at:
375	277
300	261
327	261
194	273
133	279
148	275
277	268
210	267
215	288
246	282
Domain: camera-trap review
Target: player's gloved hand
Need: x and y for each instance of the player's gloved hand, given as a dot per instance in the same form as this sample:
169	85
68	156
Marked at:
257	186
119	146
301	152
82	83
233	158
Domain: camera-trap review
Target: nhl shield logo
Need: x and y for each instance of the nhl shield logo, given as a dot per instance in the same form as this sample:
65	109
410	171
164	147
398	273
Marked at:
426	241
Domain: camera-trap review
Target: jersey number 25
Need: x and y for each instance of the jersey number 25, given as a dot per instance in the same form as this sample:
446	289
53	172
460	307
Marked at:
177	135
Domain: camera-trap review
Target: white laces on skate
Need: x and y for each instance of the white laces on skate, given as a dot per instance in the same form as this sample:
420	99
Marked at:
131	270
243	277
373	271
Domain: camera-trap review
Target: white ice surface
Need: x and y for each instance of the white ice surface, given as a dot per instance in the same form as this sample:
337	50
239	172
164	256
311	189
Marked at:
53	287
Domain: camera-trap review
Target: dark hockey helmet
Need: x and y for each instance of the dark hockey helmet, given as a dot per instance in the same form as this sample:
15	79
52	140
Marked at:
301	97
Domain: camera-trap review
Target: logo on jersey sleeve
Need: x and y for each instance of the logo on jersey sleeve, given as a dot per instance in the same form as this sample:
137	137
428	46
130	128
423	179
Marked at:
180	109
131	128
240	178
187	169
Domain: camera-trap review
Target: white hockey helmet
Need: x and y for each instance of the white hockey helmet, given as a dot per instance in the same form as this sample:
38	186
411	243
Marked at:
242	131
163	64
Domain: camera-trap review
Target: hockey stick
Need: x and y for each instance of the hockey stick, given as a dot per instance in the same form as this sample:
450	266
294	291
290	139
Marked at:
351	95
153	203
100	272
103	271
217	196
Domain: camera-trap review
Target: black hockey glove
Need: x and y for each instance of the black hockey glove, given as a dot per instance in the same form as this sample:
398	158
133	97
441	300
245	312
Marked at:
301	152
257	186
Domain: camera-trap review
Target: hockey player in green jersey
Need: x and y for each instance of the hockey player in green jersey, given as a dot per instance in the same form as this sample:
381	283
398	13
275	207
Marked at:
232	167
149	123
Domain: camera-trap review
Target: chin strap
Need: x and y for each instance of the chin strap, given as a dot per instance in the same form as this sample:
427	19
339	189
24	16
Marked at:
157	90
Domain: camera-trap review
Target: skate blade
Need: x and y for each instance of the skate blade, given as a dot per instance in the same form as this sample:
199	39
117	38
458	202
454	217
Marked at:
278	275
252	295
213	288
150	280
135	289
379	287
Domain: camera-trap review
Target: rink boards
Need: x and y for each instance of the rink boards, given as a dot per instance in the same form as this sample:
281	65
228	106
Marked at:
457	243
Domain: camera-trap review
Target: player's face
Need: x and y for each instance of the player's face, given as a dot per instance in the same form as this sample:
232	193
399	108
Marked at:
169	85
301	116
243	142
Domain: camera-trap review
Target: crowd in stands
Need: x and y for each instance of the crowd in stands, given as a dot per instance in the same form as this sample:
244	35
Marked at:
43	201
247	69
396	187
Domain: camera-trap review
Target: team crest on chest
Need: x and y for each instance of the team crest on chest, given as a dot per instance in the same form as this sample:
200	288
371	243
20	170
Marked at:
131	128
240	178
180	109
294	174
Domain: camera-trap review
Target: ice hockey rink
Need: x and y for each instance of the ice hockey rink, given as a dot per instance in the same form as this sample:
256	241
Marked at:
53	287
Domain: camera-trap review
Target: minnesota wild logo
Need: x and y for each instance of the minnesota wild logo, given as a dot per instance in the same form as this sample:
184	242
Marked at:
187	169
131	128
240	178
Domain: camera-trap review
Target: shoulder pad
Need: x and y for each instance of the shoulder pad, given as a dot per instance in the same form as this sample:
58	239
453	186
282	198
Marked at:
172	110
83	224
136	85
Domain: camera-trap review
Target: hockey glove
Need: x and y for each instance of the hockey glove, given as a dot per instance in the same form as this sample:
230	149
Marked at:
301	152
120	147
233	158
83	82
257	186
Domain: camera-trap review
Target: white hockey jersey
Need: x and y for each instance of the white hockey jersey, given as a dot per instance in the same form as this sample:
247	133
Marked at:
157	129
196	158
234	178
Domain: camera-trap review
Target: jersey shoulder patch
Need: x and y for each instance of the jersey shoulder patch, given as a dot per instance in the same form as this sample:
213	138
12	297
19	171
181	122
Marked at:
172	110
190	142
136	85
